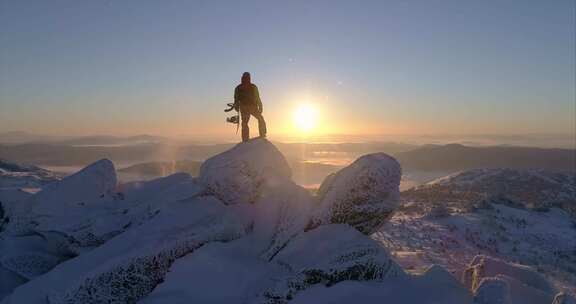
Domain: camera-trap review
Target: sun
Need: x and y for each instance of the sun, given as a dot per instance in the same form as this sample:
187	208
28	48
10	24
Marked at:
305	118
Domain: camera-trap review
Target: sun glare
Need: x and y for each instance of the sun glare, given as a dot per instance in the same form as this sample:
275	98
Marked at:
305	118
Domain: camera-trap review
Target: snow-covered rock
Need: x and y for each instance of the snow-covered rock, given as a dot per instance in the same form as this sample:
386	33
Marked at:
281	213
363	194
92	184
523	284
485	266
215	273
243	232
239	174
98	218
129	266
17	183
14	175
95	181
32	255
433	287
328	255
563	298
66	214
68	230
321	257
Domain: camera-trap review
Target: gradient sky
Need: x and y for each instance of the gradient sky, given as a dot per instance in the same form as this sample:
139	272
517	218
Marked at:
371	67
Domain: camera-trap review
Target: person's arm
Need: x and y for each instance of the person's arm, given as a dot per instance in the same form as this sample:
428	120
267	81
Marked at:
258	101
236	101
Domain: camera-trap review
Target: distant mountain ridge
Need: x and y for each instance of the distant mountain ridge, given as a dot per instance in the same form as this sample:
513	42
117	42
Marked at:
21	137
115	140
447	158
458	157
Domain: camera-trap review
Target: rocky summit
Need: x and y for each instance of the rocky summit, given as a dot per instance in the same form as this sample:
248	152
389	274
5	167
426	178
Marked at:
241	232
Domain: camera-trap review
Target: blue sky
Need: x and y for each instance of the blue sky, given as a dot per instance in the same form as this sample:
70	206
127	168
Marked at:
168	67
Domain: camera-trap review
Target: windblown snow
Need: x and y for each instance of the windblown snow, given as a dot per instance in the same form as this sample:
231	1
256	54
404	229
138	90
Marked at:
244	232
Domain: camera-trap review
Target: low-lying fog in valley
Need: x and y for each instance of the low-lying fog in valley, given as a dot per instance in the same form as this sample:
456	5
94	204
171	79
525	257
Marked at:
423	158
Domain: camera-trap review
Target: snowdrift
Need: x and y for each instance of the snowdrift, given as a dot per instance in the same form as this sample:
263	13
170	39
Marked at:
242	232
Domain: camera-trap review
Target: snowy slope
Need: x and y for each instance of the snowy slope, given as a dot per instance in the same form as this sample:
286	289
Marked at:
531	188
498	213
242	232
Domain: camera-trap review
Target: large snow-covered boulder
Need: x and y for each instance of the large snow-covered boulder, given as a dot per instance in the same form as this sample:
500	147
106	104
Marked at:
129	266
95	220
435	286
33	241
215	273
328	255
69	230
363	194
94	181
97	182
30	256
239	174
234	270
523	284
14	175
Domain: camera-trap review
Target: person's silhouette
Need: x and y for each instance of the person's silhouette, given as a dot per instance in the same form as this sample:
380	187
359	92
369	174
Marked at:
247	101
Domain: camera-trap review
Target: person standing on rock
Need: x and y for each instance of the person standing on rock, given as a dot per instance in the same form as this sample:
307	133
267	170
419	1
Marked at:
247	102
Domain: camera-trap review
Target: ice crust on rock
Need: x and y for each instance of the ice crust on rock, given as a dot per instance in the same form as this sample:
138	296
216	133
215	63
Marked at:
239	174
363	194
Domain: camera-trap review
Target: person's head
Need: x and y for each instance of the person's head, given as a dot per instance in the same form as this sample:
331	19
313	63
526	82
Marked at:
245	78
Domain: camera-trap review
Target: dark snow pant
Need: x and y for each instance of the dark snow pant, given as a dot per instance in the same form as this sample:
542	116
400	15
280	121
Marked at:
245	112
